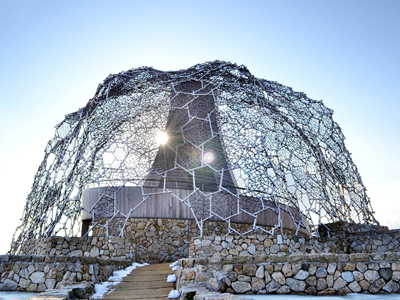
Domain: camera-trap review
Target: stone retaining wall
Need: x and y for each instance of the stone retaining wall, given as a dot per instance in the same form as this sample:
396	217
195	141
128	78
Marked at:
139	227
151	246
233	246
145	240
357	242
343	229
34	273
359	238
101	247
315	274
352	259
370	242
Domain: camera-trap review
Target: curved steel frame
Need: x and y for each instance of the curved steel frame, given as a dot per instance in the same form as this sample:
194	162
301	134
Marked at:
257	145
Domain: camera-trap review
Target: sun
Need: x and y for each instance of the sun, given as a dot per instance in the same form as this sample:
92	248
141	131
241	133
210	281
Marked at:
161	138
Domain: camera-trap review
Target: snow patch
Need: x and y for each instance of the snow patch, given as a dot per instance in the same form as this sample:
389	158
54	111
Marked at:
174	294
171	278
105	287
174	264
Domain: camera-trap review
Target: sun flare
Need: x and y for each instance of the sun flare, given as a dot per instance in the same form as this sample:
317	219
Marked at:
161	138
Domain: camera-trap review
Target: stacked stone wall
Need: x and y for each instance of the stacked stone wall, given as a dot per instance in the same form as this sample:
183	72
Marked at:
374	241
36	273
231	246
359	238
353	258
145	240
139	227
314	274
151	241
343	229
98	247
234	246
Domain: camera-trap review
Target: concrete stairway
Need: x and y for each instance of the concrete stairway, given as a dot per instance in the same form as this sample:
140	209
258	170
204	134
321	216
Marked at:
148	282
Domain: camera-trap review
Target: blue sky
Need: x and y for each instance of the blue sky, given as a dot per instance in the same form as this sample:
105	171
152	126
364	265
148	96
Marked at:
53	54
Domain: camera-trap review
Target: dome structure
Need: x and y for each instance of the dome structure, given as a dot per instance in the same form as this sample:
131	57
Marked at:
220	142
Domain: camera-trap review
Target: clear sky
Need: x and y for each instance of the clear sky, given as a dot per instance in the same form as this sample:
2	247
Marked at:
53	54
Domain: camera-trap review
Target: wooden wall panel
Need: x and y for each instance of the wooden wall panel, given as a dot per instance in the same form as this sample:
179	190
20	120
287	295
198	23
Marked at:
167	206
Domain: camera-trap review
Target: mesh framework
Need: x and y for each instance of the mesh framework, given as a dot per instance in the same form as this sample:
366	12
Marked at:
264	146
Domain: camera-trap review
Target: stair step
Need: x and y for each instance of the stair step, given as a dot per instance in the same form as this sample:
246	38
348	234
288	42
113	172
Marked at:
138	294
148	282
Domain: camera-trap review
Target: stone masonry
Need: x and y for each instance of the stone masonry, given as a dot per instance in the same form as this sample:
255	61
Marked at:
358	238
341	241
313	274
233	246
145	240
37	273
348	258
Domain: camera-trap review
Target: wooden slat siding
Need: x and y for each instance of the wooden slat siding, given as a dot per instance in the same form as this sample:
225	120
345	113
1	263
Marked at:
167	206
157	206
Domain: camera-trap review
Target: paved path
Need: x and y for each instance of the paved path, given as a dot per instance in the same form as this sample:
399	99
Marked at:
148	282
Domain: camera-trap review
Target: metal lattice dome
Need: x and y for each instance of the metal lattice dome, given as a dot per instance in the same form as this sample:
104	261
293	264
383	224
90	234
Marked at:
236	145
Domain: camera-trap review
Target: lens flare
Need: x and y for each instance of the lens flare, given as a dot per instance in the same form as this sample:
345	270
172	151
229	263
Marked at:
161	138
209	157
